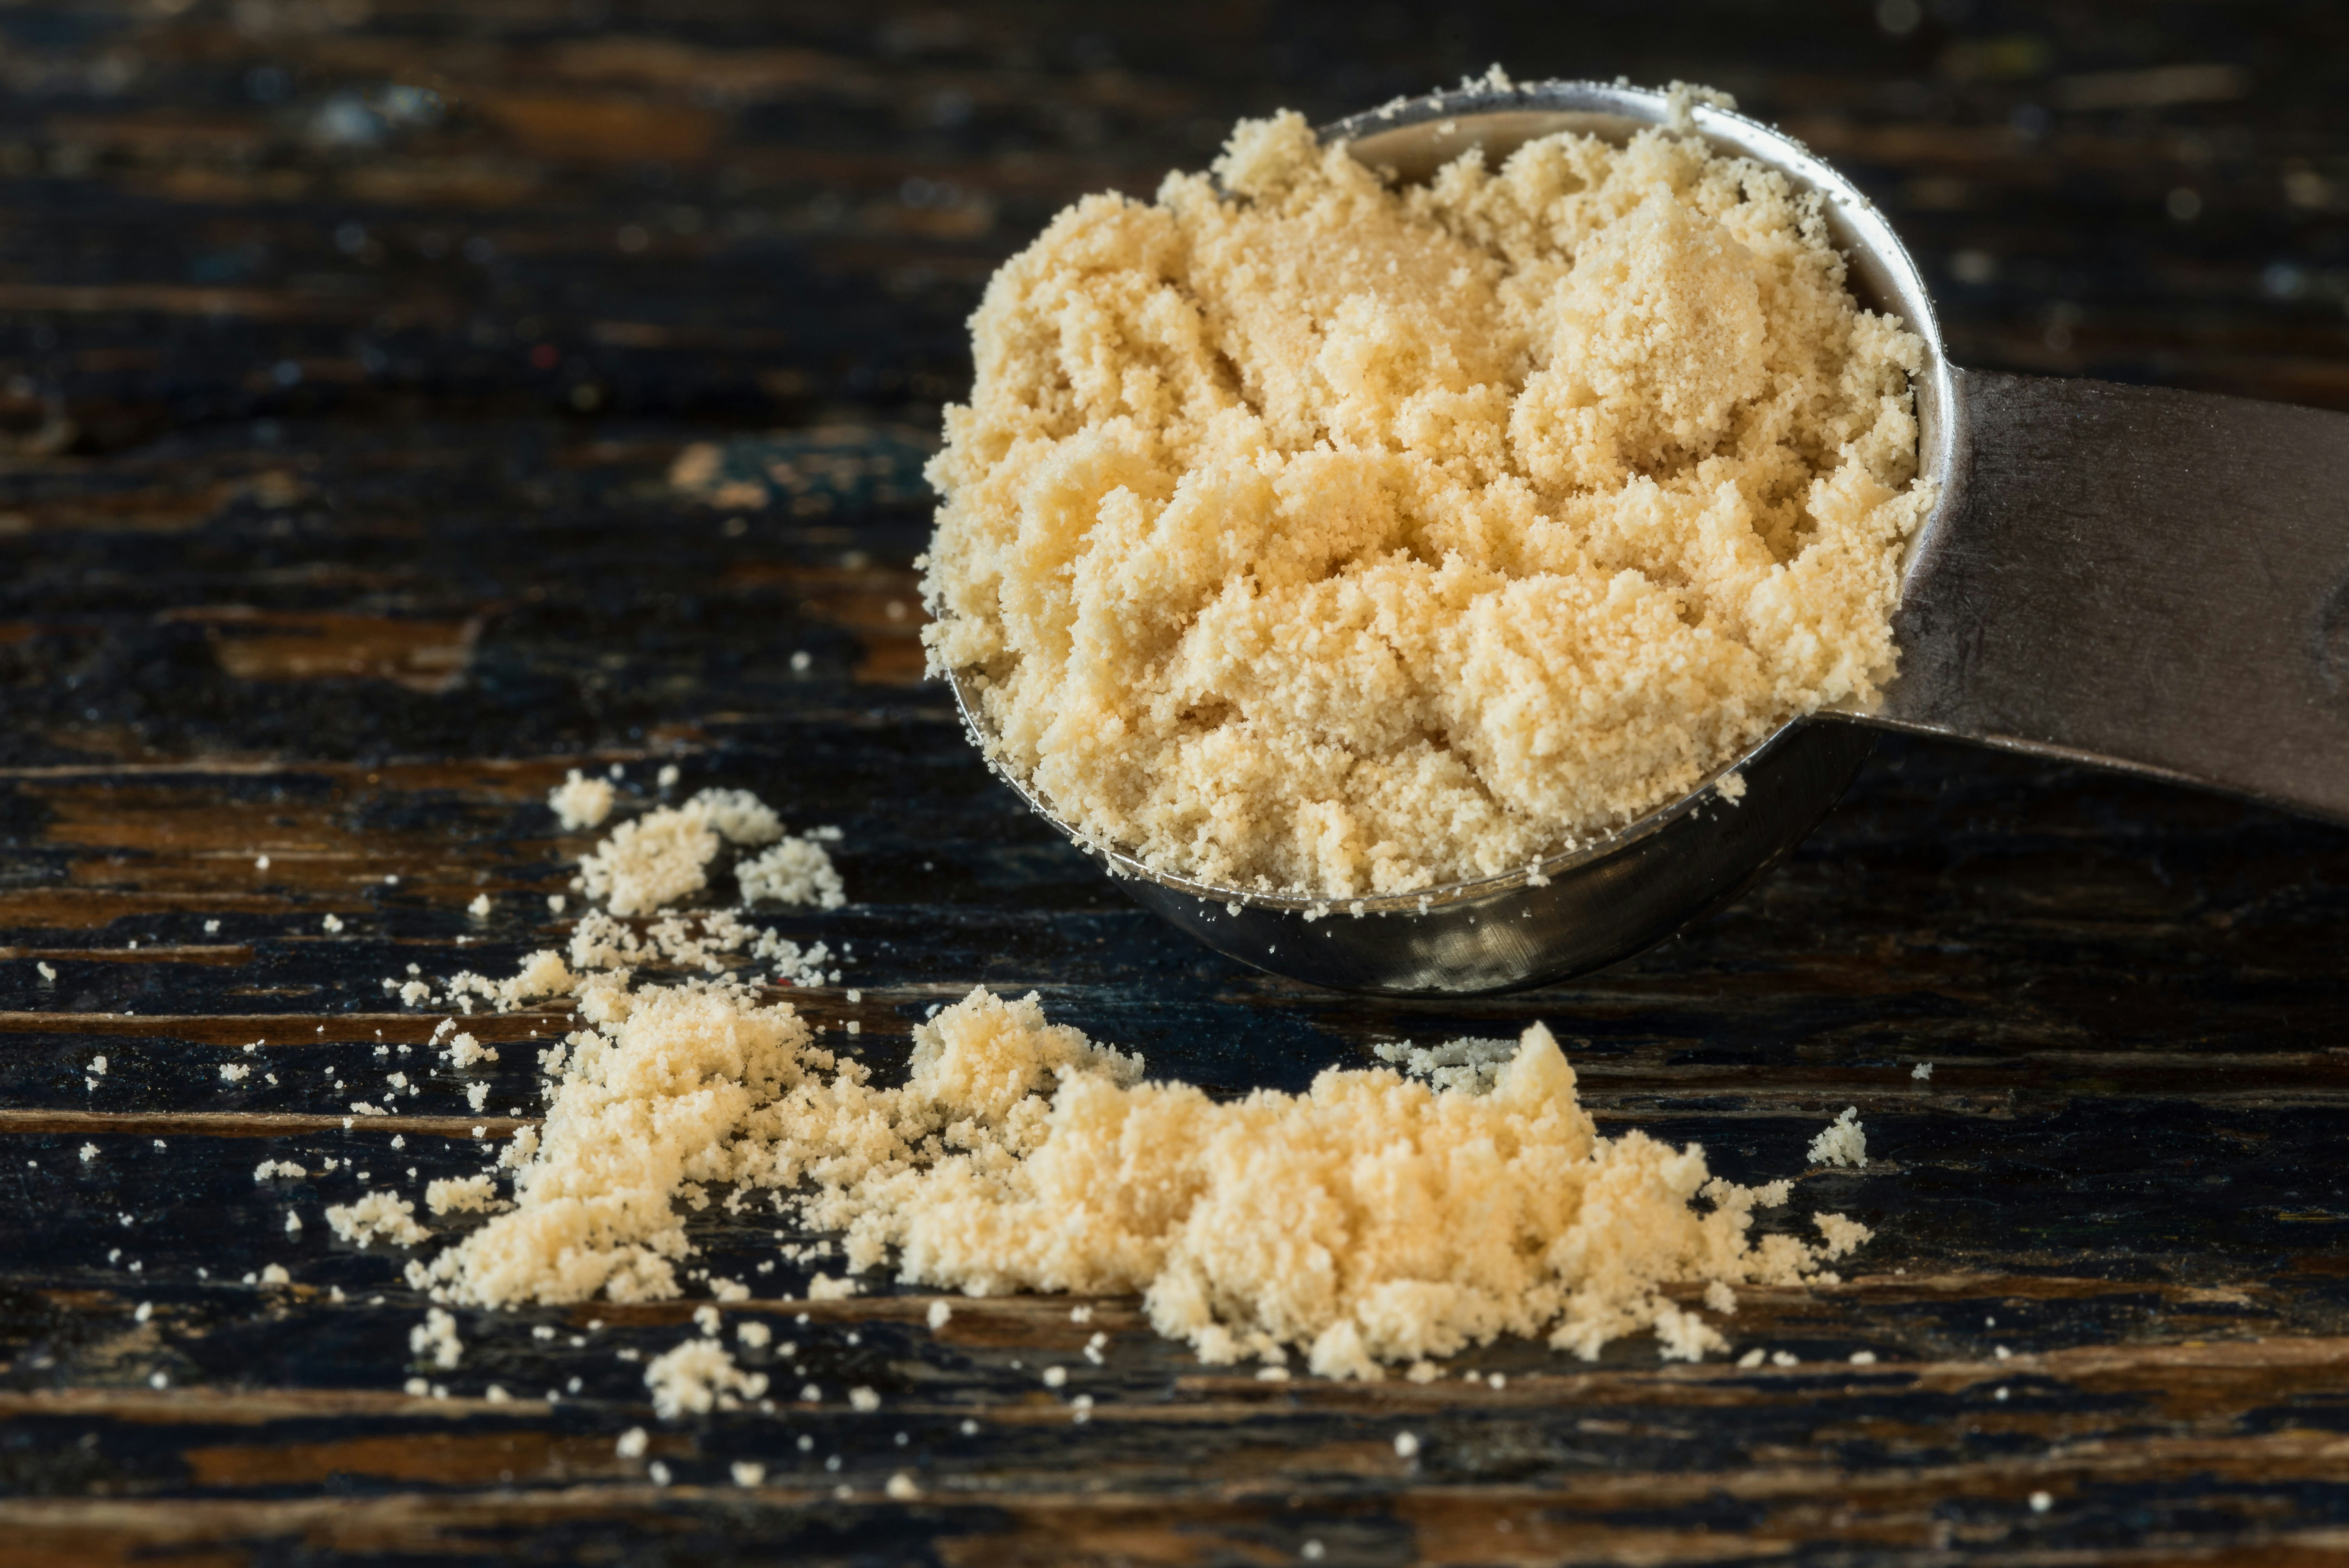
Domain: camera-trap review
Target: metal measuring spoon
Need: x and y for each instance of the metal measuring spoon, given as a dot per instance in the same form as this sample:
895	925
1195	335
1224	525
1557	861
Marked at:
2148	580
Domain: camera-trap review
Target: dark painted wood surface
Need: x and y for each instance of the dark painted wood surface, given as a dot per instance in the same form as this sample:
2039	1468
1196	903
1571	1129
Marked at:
346	351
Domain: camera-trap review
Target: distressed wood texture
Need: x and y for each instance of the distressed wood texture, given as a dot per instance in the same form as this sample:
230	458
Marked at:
348	352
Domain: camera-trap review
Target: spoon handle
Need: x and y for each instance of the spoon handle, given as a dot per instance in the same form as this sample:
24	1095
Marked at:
2141	578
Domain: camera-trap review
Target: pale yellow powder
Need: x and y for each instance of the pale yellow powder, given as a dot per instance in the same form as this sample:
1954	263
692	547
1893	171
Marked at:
461	1195
795	870
1309	535
437	1336
1845	1141
697	1378
664	855
1373	1220
1378	1219
580	802
377	1216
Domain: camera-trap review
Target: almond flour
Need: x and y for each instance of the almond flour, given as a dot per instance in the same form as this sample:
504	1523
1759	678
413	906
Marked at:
1379	1219
1309	535
1372	1220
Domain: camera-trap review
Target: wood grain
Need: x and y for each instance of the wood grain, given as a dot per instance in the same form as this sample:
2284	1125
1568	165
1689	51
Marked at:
402	405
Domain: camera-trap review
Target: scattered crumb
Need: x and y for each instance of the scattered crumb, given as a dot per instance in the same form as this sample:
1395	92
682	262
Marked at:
580	802
1842	1236
463	1195
863	1402
795	872
479	908
941	1311
753	1334
664	855
436	1336
745	1472
234	1072
1465	1066
1843	1142
902	1488
631	1445
380	1215
332	923
697	1378
1921	1071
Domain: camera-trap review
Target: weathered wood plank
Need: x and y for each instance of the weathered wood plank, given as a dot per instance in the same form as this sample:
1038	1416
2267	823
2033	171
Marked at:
353	363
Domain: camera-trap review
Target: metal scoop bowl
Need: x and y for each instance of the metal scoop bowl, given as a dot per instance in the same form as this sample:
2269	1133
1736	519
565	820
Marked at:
2142	579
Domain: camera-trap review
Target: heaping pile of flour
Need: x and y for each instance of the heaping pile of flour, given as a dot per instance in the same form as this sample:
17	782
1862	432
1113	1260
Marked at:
1309	536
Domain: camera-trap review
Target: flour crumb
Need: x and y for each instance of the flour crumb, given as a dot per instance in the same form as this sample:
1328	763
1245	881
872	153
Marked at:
697	1378
1843	1142
940	1314
665	854
1922	1072
436	1336
1464	1066
462	1195
580	802
793	872
479	908
377	1216
1680	99
1844	1237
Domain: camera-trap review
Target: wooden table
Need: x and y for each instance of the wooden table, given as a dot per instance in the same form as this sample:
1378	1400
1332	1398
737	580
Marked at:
345	351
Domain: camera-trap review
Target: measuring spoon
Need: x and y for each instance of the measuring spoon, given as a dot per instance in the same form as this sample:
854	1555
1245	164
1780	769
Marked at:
2142	579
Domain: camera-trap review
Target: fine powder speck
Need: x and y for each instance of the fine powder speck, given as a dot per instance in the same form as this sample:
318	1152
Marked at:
1309	535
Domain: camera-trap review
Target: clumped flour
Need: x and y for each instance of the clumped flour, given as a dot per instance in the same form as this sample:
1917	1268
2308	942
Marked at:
1311	535
1383	1217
